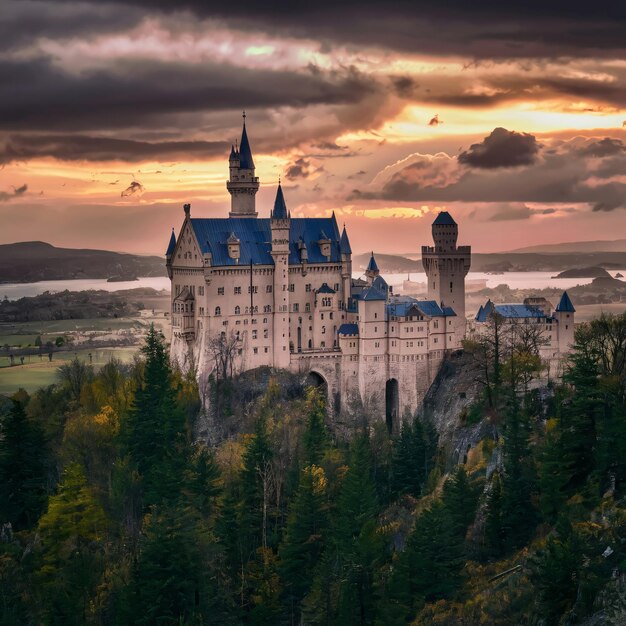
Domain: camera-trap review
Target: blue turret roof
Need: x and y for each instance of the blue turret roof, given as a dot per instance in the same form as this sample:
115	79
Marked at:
280	208
565	305
372	265
509	311
371	293
172	244
344	243
245	154
444	219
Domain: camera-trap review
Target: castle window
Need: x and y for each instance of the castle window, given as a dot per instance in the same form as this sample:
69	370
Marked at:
201	310
296	307
237	322
254	334
292	287
200	291
322	344
450	286
265	320
238	308
307	287
307	307
336	286
268	288
255	350
266	333
220	291
237	290
252	289
375	329
265	350
310	344
330	315
323	330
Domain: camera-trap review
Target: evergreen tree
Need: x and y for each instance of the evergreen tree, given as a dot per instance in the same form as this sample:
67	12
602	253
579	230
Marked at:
305	537
315	438
154	431
204	481
22	469
73	532
407	464
460	499
518	513
551	479
494	535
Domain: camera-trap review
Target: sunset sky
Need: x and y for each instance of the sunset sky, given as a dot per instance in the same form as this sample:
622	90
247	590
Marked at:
510	115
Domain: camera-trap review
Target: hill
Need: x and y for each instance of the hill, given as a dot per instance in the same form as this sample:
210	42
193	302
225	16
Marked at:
615	245
33	261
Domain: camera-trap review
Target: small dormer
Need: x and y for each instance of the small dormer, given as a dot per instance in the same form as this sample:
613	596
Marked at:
324	244
234	247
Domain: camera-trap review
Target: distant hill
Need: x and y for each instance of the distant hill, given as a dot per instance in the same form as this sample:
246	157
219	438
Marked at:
33	261
615	245
504	262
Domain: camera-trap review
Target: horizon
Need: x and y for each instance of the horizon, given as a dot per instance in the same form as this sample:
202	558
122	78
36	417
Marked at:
512	118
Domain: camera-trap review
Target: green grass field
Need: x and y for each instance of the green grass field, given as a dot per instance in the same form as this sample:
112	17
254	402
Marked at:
38	372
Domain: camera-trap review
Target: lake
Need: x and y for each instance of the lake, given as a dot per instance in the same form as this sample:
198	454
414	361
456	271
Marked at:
515	280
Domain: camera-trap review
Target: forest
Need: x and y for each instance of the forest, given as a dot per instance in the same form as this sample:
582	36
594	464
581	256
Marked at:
111	513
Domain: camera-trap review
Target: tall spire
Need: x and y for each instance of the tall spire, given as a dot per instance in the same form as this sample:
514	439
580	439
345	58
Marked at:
280	208
344	242
172	245
245	153
242	184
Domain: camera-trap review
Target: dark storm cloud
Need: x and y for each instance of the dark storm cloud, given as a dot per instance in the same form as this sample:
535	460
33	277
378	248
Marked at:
559	175
22	21
89	148
35	95
603	148
502	148
481	29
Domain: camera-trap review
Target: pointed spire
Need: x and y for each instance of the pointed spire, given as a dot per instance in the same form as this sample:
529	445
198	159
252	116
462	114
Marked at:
344	242
245	153
280	208
233	153
565	305
172	245
372	266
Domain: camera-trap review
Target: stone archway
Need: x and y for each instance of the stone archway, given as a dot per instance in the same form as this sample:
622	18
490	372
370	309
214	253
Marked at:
315	379
392	406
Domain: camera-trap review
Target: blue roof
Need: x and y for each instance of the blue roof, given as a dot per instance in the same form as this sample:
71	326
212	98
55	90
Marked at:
344	243
381	284
372	266
371	293
172	244
565	305
448	311
325	289
280	208
348	329
444	219
255	236
401	306
509	311
245	154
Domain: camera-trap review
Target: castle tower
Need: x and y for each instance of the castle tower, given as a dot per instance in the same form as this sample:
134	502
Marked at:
446	266
280	223
243	184
564	315
372	270
346	266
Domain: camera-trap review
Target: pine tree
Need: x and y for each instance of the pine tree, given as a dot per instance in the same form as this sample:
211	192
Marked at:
460	499
518	512
22	469
256	489
494	535
407	464
315	438
73	533
305	537
154	431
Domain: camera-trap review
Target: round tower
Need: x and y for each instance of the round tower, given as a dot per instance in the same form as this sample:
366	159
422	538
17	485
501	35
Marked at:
446	266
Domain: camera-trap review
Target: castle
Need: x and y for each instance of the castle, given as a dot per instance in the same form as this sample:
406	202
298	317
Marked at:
249	291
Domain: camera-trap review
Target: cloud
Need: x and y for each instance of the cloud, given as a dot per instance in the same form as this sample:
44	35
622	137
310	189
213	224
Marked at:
520	211
502	148
559	173
92	148
134	189
603	148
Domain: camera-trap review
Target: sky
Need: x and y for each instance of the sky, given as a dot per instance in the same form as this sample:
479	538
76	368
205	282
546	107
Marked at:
511	116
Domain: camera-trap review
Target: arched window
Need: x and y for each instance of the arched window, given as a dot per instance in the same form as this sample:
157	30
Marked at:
237	310
218	311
